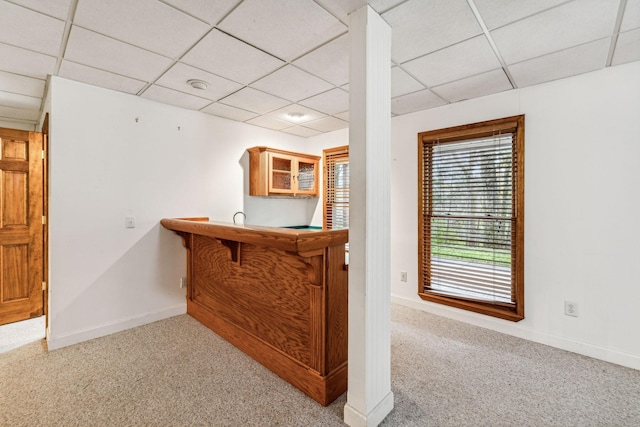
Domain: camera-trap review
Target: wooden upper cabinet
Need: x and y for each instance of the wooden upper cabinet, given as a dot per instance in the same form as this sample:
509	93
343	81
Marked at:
282	173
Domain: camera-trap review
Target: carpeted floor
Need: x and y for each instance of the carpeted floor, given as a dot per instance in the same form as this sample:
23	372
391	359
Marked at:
176	372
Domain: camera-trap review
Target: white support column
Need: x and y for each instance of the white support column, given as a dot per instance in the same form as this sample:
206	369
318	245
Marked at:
369	396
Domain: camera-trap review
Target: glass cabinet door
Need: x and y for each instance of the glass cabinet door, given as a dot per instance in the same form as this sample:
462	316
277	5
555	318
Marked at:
281	173
306	176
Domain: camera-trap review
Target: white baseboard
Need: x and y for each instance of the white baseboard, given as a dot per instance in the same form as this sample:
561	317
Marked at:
585	349
54	343
355	418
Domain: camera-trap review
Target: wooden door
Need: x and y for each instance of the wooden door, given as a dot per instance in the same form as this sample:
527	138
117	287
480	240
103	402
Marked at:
21	244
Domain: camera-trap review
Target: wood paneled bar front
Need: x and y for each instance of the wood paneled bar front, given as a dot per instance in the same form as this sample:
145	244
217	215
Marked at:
277	294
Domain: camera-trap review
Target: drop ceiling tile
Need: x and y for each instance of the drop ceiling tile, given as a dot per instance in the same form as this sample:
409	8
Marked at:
284	28
269	123
496	13
228	112
565	63
402	83
177	77
344	115
327	124
292	83
98	51
627	48
474	87
330	61
382	6
416	101
342	8
8	99
464	59
26	62
301	131
631	17
254	100
56	8
209	11
148	24
228	57
101	78
28	29
330	102
22	85
19	113
421	27
283	114
173	97
565	26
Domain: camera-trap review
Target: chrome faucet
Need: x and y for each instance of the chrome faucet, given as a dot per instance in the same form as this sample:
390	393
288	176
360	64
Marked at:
243	214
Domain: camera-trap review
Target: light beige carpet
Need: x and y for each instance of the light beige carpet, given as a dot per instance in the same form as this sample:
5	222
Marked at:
176	372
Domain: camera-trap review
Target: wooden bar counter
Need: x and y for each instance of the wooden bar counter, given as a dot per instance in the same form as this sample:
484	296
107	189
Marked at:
277	294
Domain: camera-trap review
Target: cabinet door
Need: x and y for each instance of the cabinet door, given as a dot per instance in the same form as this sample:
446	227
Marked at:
306	177
281	173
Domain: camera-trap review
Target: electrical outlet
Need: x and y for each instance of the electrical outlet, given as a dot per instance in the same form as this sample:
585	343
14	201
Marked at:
571	309
183	282
403	276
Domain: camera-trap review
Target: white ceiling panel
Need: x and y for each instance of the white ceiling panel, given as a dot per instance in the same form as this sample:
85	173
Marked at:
22	85
421	27
9	99
330	61
330	102
631	18
344	115
19	113
562	27
402	83
228	112
28	29
56	8
565	63
101	78
98	51
292	83
327	124
269	123
254	100
496	13
342	8
284	28
228	57
381	6
209	11
301	131
179	99
307	114
474	87
464	59
148	24
177	77
628	48
25	62
415	101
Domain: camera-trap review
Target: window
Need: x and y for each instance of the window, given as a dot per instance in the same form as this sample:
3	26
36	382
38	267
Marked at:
336	187
471	217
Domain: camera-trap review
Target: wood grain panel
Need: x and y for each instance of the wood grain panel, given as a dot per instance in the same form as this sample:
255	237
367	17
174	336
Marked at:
13	264
267	295
14	199
13	149
337	308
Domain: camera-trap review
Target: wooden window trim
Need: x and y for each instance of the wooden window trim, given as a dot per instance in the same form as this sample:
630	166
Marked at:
329	152
515	124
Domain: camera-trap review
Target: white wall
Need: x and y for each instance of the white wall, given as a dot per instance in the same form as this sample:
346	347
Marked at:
582	198
105	166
